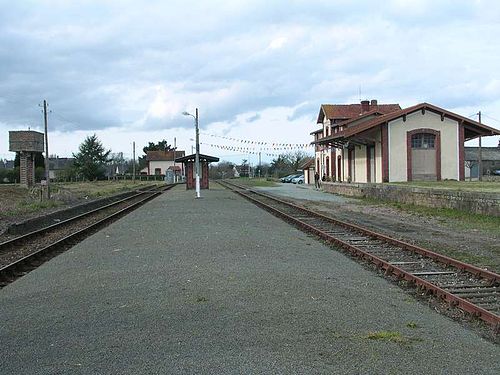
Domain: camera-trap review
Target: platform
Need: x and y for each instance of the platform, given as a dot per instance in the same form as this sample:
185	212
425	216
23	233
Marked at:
218	286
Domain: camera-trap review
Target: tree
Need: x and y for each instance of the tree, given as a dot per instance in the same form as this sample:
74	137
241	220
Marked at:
297	159
223	169
91	160
117	164
470	164
244	168
160	146
281	166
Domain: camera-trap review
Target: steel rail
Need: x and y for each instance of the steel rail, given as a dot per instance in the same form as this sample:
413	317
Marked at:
25	264
19	239
389	268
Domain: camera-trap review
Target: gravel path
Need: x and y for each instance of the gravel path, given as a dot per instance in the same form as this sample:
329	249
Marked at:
218	286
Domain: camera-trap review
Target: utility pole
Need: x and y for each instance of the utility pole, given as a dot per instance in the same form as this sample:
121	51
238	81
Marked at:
133	164
260	164
175	148
47	176
197	156
480	155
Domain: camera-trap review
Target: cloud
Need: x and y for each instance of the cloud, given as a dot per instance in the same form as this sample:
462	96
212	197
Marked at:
137	66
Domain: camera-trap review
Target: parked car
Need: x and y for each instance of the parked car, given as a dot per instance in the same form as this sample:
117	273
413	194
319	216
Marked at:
298	180
496	172
284	179
291	177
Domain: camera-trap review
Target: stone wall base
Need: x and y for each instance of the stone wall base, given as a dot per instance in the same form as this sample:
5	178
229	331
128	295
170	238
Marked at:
469	201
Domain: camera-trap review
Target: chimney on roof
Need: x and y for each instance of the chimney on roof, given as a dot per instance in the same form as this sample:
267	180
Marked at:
365	105
373	103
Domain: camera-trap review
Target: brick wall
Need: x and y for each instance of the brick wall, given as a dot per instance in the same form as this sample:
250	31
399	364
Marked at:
477	202
26	168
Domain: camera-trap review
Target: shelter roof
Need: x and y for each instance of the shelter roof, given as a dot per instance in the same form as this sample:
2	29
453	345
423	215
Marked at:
307	164
192	157
317	131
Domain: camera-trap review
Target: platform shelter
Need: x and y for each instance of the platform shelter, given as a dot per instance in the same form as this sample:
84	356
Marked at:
189	167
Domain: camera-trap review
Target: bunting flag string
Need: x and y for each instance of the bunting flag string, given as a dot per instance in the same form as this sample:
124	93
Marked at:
250	150
267	145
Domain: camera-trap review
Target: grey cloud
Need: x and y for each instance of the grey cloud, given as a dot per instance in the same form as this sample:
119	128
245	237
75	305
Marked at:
72	53
253	118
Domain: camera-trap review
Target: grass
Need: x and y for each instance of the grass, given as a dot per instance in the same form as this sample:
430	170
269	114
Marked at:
29	206
477	186
262	182
451	217
16	200
97	189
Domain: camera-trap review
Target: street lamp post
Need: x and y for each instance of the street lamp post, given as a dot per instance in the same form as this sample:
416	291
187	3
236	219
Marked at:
197	155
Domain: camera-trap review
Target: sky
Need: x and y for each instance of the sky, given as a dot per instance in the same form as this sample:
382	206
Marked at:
257	70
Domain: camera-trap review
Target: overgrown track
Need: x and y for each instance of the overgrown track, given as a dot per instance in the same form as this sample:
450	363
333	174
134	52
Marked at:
25	253
468	287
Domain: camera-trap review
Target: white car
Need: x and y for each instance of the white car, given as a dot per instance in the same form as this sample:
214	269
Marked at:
298	180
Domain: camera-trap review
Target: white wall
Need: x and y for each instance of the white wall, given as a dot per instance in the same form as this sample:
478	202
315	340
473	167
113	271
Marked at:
163	165
360	168
397	130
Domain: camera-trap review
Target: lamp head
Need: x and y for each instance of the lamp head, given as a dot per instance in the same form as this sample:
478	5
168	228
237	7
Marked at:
186	113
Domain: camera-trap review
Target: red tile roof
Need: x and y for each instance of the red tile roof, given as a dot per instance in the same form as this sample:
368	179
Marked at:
356	129
163	155
348	111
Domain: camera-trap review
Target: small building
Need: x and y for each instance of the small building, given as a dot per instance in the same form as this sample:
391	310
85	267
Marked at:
6	164
57	165
422	142
308	168
490	160
158	162
189	166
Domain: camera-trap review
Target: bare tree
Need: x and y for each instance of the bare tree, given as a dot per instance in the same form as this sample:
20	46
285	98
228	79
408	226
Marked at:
470	164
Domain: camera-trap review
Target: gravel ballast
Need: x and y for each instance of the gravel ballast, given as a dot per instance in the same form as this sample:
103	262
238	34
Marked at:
218	286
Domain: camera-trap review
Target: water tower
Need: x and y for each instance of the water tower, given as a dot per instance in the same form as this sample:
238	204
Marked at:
27	143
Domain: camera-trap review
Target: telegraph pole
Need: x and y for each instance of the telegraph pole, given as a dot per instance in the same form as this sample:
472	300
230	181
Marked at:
175	148
133	164
480	155
260	164
47	176
197	157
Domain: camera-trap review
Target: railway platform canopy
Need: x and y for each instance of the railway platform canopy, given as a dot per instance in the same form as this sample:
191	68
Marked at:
243	293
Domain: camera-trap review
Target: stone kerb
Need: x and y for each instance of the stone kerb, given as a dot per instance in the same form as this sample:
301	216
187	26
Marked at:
476	202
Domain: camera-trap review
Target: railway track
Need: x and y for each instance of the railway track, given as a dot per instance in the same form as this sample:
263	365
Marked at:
462	285
24	253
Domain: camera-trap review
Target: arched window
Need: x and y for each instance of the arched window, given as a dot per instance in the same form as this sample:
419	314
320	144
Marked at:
423	141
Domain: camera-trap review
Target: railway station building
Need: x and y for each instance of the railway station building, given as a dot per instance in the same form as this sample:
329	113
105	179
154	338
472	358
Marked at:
371	142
